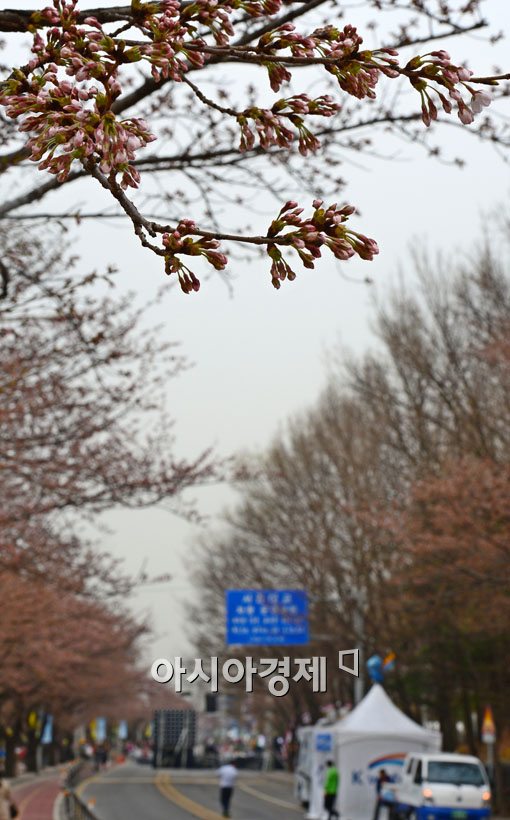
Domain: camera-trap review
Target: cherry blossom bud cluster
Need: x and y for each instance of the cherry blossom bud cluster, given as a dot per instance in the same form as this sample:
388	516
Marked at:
167	33
302	104
170	62
356	79
269	128
63	13
84	53
216	16
180	242
357	71
323	42
277	74
324	228
176	25
258	8
68	123
271	125
435	71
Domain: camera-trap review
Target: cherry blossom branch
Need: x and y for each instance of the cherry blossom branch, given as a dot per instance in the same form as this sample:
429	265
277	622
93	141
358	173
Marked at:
207	101
150	86
325	227
291	15
37	193
455	31
74	121
19	20
154	163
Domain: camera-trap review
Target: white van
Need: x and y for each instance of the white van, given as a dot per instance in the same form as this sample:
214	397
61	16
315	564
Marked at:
442	787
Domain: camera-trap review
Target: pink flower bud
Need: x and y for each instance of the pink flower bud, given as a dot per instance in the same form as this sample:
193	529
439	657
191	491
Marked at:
465	114
464	74
479	101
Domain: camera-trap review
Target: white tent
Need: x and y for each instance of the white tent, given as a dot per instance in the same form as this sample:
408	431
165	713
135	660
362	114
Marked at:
375	735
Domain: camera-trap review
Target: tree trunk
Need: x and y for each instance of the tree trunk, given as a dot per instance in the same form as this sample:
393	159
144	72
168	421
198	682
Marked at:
446	717
10	755
31	757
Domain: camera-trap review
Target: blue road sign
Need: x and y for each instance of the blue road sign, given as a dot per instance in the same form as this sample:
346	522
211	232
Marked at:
324	742
266	617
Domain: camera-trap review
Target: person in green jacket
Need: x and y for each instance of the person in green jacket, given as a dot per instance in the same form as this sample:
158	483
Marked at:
331	784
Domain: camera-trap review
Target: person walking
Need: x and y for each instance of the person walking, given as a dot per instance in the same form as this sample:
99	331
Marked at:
331	783
7	808
382	778
228	775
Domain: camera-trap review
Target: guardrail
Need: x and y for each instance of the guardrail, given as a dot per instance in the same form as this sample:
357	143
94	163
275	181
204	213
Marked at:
76	809
74	774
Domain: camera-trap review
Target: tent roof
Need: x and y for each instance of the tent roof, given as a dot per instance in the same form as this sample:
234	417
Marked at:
376	714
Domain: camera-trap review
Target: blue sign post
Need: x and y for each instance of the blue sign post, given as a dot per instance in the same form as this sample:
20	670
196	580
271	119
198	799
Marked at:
266	617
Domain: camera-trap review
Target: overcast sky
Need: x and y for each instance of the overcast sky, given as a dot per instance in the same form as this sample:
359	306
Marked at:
260	355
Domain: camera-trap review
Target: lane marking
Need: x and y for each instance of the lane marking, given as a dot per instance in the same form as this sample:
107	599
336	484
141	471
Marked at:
57	807
190	781
168	790
22	805
96	777
163	784
149	781
84	783
120	780
281	778
263	796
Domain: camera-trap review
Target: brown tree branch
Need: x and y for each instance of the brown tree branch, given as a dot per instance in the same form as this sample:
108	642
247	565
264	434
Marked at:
19	20
150	86
37	193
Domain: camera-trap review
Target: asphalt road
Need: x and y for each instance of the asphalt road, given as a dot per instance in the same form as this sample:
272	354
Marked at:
133	792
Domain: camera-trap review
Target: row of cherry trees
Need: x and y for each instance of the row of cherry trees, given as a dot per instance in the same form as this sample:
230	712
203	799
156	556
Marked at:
81	384
389	502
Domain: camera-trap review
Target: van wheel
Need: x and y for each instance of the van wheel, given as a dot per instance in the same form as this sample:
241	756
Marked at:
412	815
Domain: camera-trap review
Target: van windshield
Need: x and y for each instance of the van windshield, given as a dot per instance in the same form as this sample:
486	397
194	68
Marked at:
442	771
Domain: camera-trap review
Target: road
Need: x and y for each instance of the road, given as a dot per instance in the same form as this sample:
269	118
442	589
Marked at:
132	792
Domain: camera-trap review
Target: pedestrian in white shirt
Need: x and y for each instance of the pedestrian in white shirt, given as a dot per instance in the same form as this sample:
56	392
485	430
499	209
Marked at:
228	775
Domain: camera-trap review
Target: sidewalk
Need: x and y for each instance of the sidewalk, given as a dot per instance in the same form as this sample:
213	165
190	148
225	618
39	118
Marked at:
36	796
